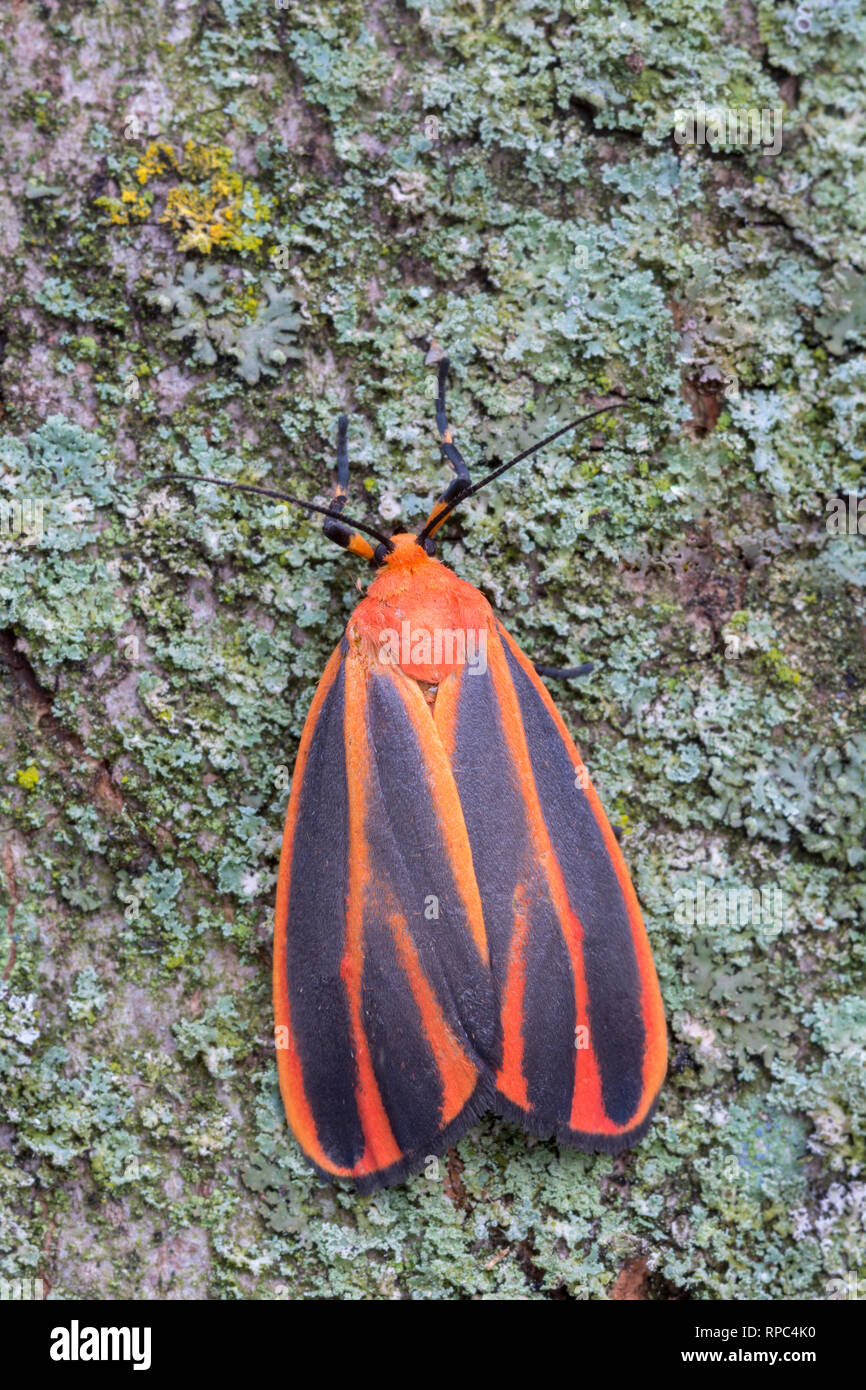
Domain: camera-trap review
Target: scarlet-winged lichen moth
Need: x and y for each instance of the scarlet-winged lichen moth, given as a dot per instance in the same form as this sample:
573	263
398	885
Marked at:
456	930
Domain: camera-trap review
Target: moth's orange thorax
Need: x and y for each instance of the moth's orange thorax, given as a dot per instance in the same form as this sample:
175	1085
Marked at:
418	615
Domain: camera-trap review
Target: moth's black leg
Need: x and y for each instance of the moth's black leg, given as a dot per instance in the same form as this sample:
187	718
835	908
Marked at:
564	672
337	531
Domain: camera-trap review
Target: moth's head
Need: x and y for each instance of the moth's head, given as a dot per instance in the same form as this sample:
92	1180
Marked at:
407	551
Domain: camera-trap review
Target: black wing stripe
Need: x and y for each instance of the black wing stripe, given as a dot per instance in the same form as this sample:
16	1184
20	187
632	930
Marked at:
315	936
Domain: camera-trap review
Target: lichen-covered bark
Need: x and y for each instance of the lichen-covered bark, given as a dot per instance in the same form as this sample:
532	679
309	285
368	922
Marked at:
222	223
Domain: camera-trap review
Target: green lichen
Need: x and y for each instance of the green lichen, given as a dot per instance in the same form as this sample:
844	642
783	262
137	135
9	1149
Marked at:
260	338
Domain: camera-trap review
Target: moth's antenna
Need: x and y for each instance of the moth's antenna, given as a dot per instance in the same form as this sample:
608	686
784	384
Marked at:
280	497
518	458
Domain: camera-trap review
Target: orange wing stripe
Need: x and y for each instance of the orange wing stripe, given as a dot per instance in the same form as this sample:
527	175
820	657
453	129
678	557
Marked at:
458	1073
510	1079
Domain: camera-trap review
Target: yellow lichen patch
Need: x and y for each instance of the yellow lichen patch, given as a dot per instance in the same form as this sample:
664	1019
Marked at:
212	204
248	301
157	158
28	777
198	220
130	204
203	161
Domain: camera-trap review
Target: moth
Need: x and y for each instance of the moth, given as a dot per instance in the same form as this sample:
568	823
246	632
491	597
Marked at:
455	929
